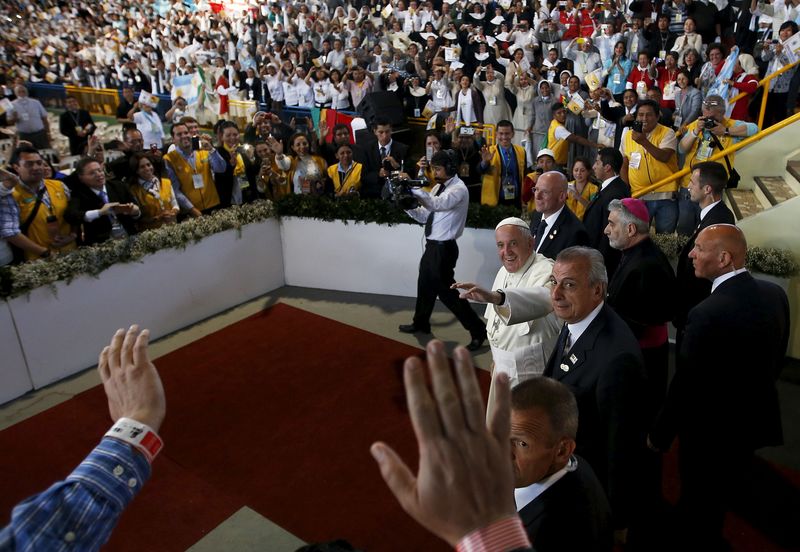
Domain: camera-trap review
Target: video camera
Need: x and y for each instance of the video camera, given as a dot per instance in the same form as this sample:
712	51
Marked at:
397	191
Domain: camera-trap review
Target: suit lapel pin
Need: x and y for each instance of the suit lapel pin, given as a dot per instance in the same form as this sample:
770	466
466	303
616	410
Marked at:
573	359
565	367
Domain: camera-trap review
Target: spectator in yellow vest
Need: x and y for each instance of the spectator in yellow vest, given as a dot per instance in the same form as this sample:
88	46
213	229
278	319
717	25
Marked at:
32	214
559	138
346	174
649	157
190	171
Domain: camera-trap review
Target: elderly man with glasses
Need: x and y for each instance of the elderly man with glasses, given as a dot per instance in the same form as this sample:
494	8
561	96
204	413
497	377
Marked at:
711	133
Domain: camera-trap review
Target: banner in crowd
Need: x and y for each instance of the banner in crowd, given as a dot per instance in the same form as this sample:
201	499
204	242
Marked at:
187	87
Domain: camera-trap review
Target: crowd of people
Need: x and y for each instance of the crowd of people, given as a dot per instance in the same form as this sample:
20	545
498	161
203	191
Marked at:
588	103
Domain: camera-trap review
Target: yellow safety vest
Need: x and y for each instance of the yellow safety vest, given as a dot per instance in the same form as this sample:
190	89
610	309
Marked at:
649	170
490	184
37	231
702	150
202	198
560	147
151	206
352	180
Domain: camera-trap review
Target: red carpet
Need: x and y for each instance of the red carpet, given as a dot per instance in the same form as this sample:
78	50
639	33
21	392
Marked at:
275	412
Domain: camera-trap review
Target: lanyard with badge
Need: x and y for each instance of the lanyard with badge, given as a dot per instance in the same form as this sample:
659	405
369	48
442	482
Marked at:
509	186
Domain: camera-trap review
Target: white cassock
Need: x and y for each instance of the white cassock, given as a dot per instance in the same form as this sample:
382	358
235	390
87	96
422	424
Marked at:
521	349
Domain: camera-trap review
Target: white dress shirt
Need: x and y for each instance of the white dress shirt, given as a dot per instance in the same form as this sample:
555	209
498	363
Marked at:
449	209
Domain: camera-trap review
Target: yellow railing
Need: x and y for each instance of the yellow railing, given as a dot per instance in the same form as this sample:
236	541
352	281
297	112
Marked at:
719	155
488	131
764	83
98	101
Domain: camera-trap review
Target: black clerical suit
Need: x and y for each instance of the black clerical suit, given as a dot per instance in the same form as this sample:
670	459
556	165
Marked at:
372	183
643	292
567	230
691	289
69	123
83	199
595	220
722	402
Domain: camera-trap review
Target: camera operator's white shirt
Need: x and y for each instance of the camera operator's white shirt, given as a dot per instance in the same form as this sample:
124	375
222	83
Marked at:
449	208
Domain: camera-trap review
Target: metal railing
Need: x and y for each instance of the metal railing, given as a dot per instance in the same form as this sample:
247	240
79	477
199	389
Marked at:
719	155
765	82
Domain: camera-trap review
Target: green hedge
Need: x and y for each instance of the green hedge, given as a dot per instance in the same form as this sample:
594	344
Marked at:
21	279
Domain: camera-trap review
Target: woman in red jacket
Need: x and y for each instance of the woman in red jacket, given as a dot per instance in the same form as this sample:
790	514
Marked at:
744	79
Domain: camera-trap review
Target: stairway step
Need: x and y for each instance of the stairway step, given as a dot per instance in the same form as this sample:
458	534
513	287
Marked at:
744	203
793	167
775	188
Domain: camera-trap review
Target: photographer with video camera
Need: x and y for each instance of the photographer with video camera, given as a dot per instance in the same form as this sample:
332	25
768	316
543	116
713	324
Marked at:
444	213
711	133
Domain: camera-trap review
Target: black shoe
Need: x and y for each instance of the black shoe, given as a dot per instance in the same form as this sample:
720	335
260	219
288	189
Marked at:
411	328
476	343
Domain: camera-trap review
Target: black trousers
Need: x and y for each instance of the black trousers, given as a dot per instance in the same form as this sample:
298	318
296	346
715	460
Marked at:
436	275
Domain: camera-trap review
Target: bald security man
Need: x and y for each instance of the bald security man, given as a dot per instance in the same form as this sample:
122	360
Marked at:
555	227
722	403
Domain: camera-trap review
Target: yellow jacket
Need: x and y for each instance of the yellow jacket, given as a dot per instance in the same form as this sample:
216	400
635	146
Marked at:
490	185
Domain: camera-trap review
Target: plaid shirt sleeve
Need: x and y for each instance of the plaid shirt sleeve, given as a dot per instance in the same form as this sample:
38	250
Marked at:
80	512
9	217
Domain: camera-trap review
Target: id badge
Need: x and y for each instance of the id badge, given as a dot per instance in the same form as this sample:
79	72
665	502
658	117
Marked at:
24	116
78	129
669	91
662	54
509	190
492	100
704	150
243	182
463	170
678	121
197	181
417	113
551	76
440	94
617	78
678	18
636	160
641	89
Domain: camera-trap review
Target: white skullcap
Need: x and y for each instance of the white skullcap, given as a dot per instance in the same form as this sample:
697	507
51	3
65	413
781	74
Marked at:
514	221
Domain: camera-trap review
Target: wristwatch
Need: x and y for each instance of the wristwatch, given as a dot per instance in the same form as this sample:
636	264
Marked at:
727	131
502	296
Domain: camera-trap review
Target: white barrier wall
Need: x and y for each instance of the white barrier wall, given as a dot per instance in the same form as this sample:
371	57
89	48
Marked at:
62	333
14	377
370	258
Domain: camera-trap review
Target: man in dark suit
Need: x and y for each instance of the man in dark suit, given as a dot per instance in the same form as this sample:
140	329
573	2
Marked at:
559	499
598	358
104	209
705	188
595	219
77	125
381	157
554	226
722	402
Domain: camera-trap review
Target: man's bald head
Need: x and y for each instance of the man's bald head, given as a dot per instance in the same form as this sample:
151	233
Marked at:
550	192
718	249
